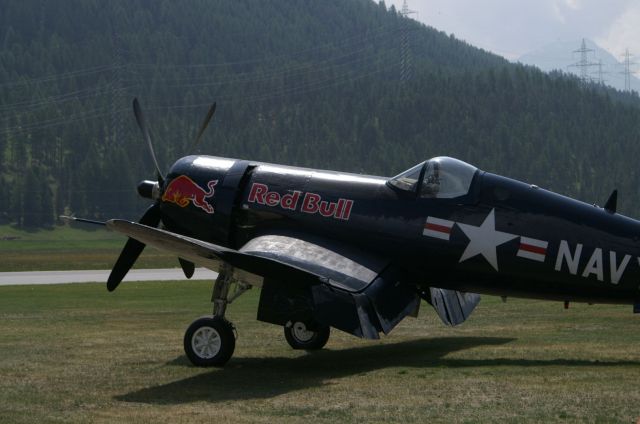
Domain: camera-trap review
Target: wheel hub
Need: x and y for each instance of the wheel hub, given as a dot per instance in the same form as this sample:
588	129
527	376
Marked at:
301	332
206	342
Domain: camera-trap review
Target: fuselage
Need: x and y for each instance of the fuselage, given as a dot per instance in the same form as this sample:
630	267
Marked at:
500	236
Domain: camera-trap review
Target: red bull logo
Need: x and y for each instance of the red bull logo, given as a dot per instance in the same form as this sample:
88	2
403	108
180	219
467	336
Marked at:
311	203
183	190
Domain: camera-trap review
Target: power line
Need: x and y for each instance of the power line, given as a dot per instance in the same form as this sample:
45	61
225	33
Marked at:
55	77
35	104
334	69
360	38
307	87
345	76
83	116
303	69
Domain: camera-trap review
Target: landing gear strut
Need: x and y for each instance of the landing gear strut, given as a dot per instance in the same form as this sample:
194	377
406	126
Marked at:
210	341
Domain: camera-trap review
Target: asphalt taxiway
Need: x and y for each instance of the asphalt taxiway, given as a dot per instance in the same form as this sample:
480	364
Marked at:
98	276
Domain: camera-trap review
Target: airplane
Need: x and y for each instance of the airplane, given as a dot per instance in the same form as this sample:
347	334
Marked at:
358	253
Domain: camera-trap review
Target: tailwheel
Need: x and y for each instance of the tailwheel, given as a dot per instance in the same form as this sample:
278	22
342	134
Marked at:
307	336
209	341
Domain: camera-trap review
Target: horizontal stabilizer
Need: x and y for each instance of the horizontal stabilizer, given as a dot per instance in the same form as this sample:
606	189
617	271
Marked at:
453	307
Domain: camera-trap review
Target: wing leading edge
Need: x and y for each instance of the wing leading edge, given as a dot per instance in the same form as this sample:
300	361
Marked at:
210	255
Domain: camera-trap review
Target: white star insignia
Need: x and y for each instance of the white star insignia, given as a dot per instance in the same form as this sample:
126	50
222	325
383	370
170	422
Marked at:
484	239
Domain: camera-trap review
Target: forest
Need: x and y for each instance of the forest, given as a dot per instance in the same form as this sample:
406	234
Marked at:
348	85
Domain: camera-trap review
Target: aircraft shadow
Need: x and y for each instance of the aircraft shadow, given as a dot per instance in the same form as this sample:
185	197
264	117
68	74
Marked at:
259	378
255	378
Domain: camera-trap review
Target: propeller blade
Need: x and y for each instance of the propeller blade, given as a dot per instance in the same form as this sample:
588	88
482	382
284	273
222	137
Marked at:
132	249
137	111
203	127
187	267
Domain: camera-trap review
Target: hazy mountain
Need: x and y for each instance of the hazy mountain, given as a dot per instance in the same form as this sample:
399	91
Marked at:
562	56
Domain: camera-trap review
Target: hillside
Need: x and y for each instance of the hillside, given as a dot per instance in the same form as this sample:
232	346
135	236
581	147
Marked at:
298	82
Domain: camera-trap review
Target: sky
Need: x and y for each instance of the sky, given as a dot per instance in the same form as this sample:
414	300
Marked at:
512	28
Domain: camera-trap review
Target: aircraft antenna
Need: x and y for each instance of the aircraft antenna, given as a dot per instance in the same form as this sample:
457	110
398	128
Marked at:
405	52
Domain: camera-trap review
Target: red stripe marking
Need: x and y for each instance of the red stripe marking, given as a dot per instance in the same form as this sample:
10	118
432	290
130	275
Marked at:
439	228
533	249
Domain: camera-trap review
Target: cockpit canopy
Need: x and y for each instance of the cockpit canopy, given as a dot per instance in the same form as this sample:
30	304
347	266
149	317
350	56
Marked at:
438	178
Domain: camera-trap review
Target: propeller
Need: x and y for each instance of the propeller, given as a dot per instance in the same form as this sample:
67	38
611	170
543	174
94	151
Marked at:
132	249
152	216
188	268
137	111
203	127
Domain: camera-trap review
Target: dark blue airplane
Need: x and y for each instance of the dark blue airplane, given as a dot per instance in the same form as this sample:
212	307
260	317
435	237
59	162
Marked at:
358	253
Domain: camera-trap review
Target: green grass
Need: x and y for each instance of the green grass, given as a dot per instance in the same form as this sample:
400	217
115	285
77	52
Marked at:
64	248
75	353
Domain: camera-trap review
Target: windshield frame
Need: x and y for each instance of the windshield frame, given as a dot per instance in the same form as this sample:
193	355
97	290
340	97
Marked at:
396	184
416	190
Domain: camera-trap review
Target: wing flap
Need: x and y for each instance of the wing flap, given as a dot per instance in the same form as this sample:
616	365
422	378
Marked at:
363	294
346	268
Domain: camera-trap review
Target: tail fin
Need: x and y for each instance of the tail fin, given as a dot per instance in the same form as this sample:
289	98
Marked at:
612	203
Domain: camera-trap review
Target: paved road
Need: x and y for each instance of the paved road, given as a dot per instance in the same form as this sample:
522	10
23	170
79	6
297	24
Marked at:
98	276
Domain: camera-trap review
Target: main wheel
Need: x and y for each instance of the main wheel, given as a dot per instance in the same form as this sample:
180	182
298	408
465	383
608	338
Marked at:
209	341
302	335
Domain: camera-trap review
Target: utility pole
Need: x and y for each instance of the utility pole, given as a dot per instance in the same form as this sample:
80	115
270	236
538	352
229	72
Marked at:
627	70
405	52
584	63
601	73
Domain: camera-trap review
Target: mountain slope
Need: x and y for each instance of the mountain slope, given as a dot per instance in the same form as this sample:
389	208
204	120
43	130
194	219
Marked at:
299	82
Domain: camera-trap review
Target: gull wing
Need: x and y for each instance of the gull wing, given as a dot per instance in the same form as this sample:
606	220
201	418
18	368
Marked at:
350	289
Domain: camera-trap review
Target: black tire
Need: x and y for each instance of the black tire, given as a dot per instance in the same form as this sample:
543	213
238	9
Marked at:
209	342
306	336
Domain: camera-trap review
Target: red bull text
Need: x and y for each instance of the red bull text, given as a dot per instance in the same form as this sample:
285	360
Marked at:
310	203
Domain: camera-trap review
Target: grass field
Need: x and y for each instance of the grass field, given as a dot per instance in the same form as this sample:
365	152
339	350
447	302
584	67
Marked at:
75	353
65	248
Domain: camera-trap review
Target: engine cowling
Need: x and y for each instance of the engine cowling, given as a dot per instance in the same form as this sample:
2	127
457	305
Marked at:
199	196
